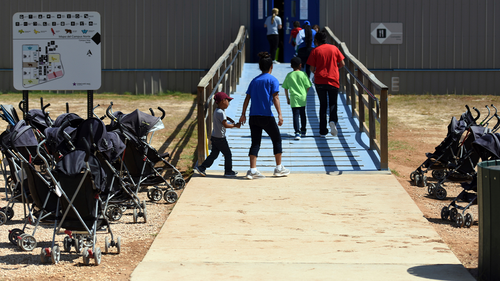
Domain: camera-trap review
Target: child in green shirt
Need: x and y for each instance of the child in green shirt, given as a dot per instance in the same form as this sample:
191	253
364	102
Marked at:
297	83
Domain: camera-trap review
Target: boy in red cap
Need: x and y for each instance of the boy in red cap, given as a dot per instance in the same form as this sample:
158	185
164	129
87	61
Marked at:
218	139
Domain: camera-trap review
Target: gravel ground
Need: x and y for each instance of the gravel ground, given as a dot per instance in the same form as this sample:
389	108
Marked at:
135	237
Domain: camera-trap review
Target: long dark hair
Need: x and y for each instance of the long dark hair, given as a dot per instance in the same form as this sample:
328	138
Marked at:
308	36
265	61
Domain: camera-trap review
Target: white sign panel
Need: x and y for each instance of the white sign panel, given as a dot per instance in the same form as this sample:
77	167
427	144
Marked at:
57	51
386	33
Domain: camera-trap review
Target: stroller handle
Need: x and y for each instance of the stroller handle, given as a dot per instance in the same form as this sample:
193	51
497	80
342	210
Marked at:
21	106
162	112
152	112
108	112
477	111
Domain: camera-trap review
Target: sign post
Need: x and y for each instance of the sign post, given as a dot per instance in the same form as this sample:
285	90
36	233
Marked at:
57	51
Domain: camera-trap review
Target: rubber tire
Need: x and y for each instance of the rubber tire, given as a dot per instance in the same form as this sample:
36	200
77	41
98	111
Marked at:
445	213
469	220
170	196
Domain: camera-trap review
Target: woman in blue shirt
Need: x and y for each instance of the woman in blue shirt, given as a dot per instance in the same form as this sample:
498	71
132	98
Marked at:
263	91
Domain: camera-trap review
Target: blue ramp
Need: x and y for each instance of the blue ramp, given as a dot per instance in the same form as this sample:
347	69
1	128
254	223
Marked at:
349	151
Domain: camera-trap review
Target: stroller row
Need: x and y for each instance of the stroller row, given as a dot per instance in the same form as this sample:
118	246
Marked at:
455	159
76	176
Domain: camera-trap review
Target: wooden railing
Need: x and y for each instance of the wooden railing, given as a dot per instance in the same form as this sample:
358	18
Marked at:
360	85
222	77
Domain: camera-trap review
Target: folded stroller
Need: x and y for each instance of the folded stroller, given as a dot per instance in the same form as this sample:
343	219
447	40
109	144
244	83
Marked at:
463	170
445	152
488	148
140	158
16	183
83	184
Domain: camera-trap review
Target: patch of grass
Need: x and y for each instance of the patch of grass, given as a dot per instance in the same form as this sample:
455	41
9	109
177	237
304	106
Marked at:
399	145
394	172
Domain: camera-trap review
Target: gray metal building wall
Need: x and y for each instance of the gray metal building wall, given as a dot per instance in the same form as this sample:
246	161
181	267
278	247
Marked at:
148	46
449	46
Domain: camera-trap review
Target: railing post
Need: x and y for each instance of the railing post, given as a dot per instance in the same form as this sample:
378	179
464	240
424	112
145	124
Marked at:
361	104
371	119
353	91
384	131
201	125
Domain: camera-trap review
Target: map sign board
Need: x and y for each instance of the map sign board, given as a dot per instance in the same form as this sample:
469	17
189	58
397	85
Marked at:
386	33
57	51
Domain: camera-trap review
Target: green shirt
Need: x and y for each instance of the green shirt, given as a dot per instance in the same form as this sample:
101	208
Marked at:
297	83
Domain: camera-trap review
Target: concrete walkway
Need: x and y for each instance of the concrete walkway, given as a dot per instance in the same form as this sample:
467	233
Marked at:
347	226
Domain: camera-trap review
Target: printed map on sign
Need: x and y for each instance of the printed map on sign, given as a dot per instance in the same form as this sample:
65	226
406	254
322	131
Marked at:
56	50
41	64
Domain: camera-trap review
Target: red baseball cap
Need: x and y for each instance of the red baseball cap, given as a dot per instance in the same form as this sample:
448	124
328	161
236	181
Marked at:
220	96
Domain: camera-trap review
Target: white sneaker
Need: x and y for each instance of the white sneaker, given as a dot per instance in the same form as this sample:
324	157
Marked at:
276	62
254	176
322	136
333	129
281	173
297	136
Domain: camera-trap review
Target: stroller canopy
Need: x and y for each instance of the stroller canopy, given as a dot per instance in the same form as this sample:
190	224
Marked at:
74	120
140	124
37	119
488	146
23	136
94	131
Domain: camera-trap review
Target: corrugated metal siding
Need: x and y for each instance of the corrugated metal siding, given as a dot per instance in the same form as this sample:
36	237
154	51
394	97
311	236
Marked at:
145	35
445	34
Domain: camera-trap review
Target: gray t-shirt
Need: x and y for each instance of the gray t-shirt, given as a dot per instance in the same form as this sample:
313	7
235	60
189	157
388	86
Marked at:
219	131
272	28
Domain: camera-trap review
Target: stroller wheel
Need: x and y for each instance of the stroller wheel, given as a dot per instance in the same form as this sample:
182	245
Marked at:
114	212
179	182
170	196
445	213
45	255
13	234
9	212
412	176
453	213
78	244
156	195
423	181
469	220
118	244
67	242
56	254
431	188
86	256
97	256
27	242
459	220
441	193
417	179
438	174
3	218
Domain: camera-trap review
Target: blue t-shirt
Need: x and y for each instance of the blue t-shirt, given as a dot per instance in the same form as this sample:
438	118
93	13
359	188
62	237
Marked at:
261	92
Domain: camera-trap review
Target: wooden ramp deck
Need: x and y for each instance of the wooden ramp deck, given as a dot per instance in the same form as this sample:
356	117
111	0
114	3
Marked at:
349	151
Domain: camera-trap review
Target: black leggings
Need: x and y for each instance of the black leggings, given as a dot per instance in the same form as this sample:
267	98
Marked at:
273	43
267	124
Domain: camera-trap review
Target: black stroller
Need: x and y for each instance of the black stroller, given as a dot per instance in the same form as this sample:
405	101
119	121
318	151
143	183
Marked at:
445	153
464	169
140	158
16	190
83	185
487	148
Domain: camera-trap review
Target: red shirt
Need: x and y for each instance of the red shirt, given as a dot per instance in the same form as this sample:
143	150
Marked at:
295	31
325	59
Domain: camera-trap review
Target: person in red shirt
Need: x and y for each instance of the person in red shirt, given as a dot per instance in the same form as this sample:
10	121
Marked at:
293	33
325	61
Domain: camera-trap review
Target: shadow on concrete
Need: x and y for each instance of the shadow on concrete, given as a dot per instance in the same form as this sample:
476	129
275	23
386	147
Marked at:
449	272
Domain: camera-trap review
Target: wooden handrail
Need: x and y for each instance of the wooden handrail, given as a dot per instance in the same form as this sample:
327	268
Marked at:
223	76
358	83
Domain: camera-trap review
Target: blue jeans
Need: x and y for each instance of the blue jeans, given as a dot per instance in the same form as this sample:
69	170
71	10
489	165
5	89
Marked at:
327	95
268	124
219	145
299	112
